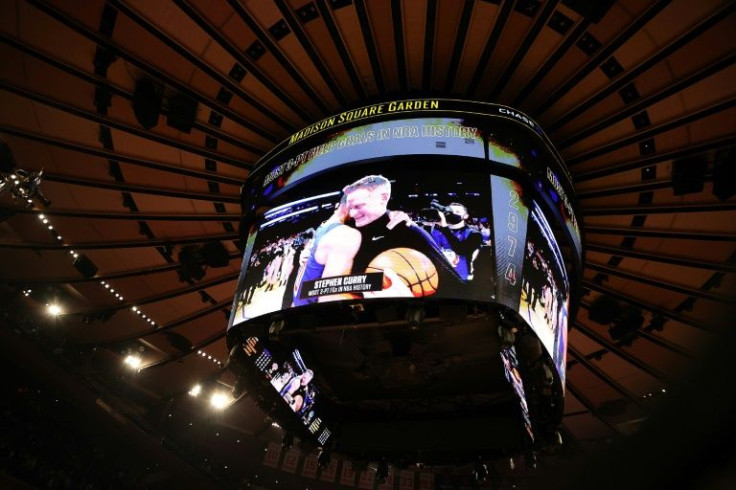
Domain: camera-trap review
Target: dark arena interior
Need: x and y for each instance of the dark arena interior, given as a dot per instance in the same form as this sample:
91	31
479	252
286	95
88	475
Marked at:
372	244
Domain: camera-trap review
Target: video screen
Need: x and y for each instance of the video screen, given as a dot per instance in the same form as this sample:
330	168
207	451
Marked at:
544	288
510	235
400	232
429	204
513	376
419	136
293	381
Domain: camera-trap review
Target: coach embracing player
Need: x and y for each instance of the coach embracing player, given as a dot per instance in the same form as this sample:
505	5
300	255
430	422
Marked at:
367	201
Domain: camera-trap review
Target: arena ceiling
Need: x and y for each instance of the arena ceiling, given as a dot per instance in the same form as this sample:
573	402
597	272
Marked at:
623	89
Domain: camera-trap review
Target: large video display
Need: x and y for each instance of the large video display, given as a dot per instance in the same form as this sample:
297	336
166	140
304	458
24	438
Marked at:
396	233
428	199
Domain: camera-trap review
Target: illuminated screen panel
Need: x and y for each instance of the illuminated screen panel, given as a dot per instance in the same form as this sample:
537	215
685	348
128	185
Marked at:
293	380
424	136
513	376
398	232
545	288
520	149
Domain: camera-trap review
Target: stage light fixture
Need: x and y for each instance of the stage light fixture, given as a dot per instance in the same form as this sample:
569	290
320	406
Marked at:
195	390
219	400
133	361
53	309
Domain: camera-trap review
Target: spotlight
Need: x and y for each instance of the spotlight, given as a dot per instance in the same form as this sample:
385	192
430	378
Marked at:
53	309
219	400
133	361
196	390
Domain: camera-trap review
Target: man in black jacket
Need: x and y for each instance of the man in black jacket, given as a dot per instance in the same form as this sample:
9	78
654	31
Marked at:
367	201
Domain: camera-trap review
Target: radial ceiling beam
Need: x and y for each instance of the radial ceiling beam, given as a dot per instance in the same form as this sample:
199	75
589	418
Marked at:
126	216
140	189
146	271
711	207
342	51
457	51
97	80
370	44
642	333
665	259
193	288
213	73
128	244
591	408
598	372
171	325
657	310
397	18
180	355
552	60
630	189
667	234
670	346
430	26
253	68
521	51
641	162
106	121
640	136
611	347
306	44
483	63
112	155
179	86
633	73
659	284
672	89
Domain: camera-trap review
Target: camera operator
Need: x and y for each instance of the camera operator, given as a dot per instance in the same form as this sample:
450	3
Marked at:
460	242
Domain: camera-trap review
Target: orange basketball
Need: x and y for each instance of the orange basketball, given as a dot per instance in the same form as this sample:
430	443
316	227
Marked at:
413	267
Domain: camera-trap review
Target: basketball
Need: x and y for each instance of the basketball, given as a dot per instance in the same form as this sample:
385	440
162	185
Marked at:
414	268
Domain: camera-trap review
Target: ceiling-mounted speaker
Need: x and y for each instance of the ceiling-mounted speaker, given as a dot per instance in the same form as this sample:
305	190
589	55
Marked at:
215	254
688	175
182	112
724	174
85	266
147	102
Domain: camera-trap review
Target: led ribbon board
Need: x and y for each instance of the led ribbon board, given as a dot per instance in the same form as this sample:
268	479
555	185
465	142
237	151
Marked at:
428	199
